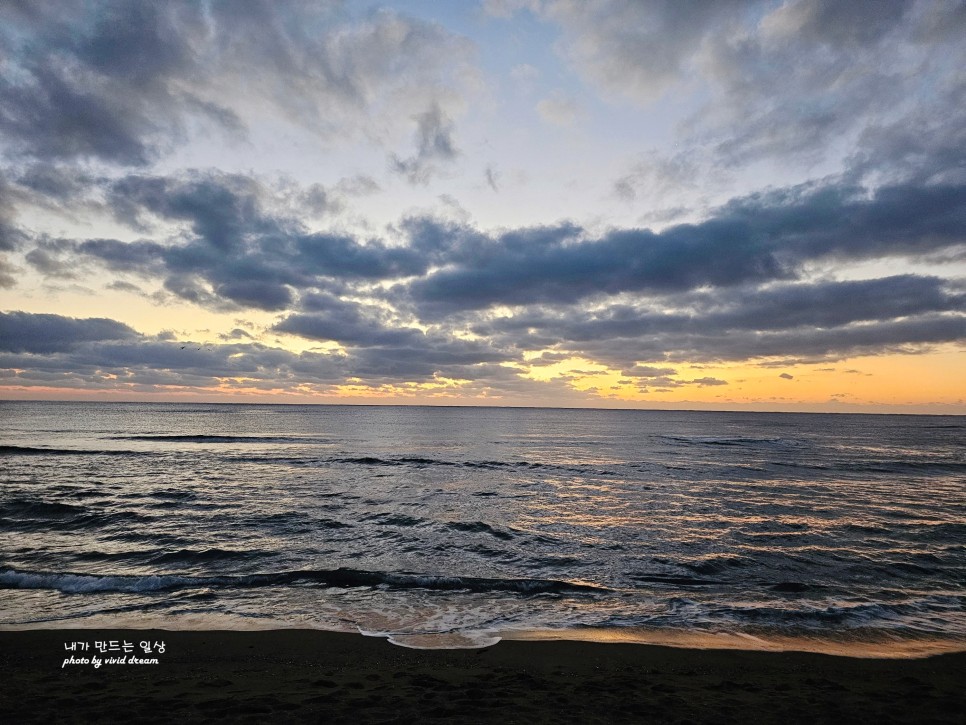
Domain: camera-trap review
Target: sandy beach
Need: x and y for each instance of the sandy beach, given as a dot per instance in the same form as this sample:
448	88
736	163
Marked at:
314	676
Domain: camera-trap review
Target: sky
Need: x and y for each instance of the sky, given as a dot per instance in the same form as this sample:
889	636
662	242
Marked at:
733	205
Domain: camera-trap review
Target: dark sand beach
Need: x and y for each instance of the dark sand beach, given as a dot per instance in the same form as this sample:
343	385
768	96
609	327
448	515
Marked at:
314	676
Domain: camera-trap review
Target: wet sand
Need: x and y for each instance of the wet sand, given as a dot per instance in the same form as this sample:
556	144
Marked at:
312	676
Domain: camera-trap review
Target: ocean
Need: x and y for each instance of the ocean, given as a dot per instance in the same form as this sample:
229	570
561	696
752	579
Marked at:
458	526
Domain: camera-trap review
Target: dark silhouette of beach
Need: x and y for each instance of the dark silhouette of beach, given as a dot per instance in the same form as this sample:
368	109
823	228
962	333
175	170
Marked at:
314	676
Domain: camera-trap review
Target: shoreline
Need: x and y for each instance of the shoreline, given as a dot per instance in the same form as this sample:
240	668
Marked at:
877	645
296	675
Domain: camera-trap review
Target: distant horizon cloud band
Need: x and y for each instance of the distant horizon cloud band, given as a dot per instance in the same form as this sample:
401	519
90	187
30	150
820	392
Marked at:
751	205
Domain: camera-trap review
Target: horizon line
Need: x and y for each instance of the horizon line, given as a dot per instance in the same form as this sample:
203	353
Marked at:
470	405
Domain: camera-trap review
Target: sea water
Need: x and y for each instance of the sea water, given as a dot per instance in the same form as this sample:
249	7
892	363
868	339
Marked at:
456	526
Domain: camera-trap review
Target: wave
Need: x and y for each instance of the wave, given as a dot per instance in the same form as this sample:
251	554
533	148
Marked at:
7	450
19	514
20	508
421	462
74	583
217	439
194	556
394	519
730	440
372	461
479	527
899	466
686	581
815	616
716	564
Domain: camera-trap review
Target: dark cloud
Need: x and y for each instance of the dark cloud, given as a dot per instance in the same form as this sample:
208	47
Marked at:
755	239
814	320
43	334
58	183
381	348
37	349
786	376
95	84
824	304
237	248
349	328
732	287
99	353
807	345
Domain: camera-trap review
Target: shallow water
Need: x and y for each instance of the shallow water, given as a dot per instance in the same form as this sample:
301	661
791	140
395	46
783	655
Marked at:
454	526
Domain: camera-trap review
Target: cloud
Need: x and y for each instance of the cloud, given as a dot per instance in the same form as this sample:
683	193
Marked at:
507	8
434	144
814	321
236	246
122	82
101	91
11	236
632	48
647	371
525	76
656	175
756	239
23	332
382	347
708	382
558	109
7	270
787	81
732	287
786	376
38	349
491	179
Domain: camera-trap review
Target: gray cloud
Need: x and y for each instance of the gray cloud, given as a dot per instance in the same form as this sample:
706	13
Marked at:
237	248
11	236
647	371
492	177
119	81
94	84
755	239
796	79
434	145
7	270
558	109
730	287
812	320
633	48
708	382
42	334
97	353
382	348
